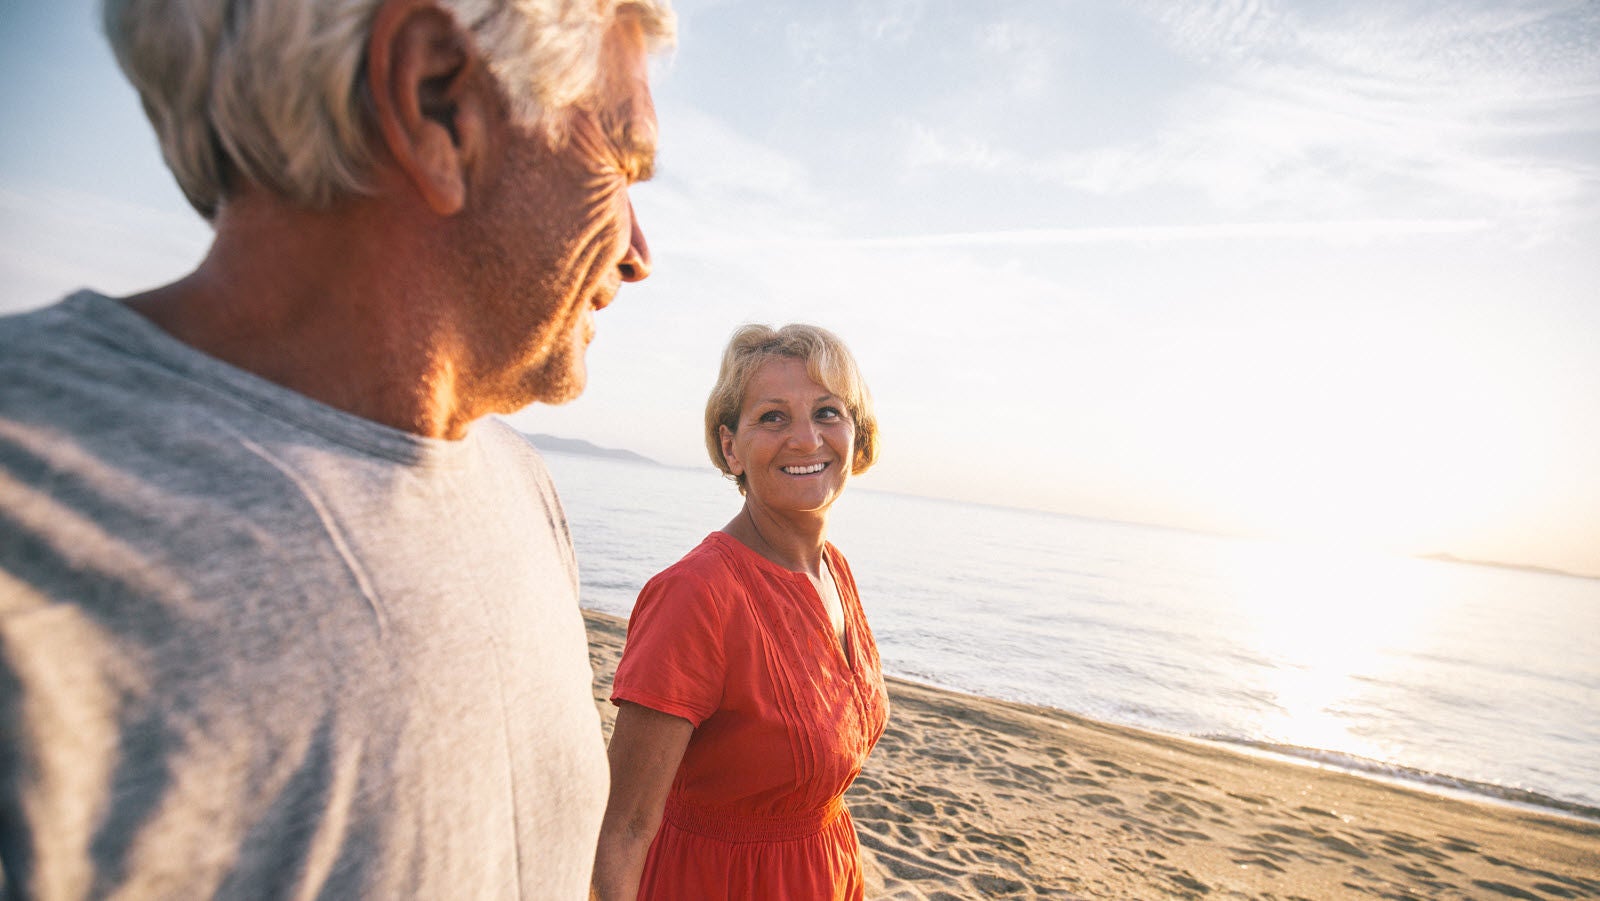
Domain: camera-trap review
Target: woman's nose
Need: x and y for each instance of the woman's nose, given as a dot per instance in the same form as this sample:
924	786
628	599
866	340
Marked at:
806	434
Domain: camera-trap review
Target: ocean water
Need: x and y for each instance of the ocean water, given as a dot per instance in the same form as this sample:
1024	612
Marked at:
1449	676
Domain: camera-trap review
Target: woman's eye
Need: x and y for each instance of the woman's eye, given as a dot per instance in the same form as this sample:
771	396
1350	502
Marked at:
829	414
770	416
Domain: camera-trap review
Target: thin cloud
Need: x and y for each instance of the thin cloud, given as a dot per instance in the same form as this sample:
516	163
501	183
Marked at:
1025	57
1227	28
1359	112
1337	230
890	21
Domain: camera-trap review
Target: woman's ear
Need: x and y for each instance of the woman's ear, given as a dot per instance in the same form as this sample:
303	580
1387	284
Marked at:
859	462
735	465
428	89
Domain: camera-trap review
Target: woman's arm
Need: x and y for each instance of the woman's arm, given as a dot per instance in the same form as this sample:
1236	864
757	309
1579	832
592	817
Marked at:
646	748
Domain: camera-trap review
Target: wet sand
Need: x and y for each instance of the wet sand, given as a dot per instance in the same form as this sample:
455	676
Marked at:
967	797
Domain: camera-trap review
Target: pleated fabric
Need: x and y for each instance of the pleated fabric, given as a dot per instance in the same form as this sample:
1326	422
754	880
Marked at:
784	719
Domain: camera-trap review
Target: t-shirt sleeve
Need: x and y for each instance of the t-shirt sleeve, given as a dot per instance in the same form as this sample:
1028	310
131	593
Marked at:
674	659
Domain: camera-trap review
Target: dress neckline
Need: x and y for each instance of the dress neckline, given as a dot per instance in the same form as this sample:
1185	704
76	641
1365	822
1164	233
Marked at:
843	643
830	553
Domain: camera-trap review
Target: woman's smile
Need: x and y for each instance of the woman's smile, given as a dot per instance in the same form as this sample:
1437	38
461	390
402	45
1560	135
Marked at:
805	470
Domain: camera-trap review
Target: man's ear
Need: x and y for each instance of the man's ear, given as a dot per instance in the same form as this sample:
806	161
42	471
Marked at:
428	87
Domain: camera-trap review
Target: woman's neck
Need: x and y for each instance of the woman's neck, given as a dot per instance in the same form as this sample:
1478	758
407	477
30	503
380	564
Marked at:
794	543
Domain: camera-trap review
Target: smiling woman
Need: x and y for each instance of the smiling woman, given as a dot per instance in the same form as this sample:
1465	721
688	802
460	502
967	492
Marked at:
750	691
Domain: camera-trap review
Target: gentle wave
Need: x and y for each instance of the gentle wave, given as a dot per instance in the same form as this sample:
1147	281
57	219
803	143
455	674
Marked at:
1411	776
1149	719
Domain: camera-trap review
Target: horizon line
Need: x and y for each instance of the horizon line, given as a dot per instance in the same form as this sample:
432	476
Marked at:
1331	229
602	452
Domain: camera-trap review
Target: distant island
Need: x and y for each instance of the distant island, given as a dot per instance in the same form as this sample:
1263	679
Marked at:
1525	567
583	448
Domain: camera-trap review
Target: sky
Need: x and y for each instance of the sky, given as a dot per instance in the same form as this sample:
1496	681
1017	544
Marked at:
1324	272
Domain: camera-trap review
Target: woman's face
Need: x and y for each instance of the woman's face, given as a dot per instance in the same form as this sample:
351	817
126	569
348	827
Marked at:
796	441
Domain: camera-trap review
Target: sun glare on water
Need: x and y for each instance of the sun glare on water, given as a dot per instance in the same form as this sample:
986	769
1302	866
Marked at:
1329	624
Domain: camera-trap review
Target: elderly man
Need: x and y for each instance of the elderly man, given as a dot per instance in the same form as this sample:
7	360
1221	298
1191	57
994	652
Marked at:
281	615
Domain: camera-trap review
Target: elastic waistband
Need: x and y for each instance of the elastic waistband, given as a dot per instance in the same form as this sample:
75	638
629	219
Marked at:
723	825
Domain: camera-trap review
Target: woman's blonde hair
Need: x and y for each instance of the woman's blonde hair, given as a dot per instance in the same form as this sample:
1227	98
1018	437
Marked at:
275	90
828	362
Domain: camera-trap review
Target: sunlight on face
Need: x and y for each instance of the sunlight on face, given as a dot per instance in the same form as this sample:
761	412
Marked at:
1327	623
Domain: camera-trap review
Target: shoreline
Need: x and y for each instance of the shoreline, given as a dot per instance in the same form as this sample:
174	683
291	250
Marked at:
1412	778
968	796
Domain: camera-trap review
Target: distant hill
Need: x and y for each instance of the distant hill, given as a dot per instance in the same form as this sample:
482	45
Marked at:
1451	558
583	448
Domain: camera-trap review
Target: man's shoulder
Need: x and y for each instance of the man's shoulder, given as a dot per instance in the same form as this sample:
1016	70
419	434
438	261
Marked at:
84	343
510	451
499	435
27	333
57	367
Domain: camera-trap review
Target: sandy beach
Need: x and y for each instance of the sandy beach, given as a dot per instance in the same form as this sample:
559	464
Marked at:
968	797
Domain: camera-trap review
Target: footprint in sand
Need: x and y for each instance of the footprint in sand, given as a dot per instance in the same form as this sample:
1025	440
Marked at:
1559	892
1261	862
904	863
1402	845
1268	854
877	812
1417	872
1341	846
1185	881
1174	804
1509	891
1187	835
995	886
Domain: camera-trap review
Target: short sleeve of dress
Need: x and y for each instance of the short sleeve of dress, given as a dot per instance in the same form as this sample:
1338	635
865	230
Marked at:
674	659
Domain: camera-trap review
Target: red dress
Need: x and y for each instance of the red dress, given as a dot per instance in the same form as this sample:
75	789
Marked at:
784	719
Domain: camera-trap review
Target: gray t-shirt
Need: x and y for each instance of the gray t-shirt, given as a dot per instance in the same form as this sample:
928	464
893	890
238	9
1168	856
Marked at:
252	646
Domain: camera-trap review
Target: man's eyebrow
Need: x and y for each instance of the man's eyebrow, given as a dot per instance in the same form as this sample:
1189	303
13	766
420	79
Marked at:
635	146
639	157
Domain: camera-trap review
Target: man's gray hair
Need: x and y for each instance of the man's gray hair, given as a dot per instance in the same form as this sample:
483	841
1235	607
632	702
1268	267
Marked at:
276	89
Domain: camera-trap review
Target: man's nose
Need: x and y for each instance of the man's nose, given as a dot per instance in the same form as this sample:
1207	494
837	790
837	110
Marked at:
635	266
